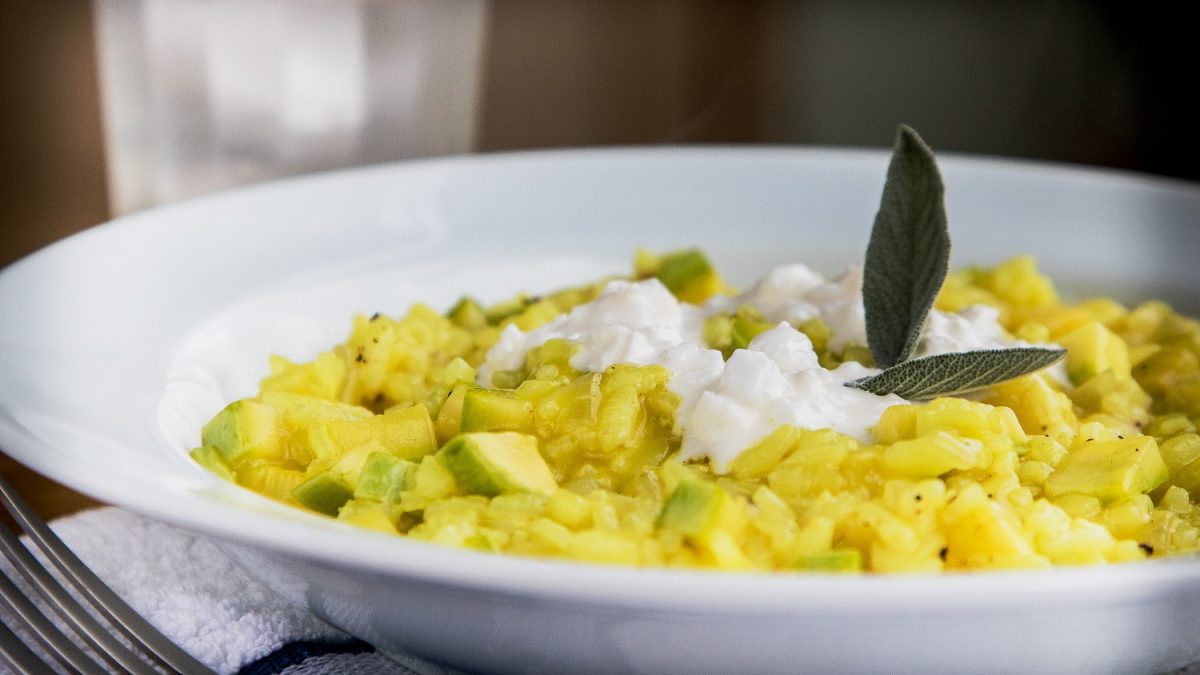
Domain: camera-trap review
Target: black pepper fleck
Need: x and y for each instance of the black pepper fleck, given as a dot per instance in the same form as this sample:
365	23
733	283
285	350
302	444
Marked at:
375	316
943	553
1147	548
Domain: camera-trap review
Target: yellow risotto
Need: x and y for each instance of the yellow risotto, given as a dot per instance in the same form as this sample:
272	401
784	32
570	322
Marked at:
404	429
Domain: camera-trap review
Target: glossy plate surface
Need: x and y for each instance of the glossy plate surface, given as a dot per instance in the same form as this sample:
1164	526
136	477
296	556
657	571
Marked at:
117	344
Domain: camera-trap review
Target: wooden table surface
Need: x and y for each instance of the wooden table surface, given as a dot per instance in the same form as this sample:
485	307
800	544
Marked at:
48	498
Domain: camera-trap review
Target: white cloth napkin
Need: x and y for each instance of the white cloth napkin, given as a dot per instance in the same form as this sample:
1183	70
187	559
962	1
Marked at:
194	593
191	590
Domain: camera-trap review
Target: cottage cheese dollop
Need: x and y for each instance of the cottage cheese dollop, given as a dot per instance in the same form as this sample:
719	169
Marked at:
795	293
777	381
975	327
728	406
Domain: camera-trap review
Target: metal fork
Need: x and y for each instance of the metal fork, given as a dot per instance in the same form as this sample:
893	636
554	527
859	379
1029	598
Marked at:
117	639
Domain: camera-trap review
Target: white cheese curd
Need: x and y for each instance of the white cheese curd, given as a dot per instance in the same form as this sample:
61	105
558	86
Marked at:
728	406
787	347
975	327
777	381
629	322
694	370
795	293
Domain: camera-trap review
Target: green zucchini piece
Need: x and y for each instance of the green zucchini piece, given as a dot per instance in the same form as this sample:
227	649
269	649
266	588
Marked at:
492	464
495	410
384	477
1110	470
245	428
693	509
836	560
323	493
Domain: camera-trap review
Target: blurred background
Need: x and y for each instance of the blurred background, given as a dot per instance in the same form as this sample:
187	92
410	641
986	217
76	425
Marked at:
1101	83
115	105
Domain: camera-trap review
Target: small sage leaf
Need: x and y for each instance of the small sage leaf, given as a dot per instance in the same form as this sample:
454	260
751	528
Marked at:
957	372
909	251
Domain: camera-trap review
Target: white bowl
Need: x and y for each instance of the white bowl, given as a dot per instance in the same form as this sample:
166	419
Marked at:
117	344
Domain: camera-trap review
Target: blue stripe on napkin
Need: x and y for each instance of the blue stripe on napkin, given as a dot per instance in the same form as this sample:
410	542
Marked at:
295	653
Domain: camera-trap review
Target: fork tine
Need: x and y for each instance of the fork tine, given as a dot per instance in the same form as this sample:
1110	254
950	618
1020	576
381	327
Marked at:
114	610
52	640
91	631
17	655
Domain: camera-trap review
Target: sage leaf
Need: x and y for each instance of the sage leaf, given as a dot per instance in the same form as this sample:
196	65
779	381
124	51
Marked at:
909	251
957	372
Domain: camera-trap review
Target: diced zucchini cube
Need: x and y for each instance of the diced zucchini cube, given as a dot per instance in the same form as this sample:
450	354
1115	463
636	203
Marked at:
689	275
449	418
467	314
931	456
491	464
210	458
323	493
301	410
1110	470
405	432
384	477
246	428
1093	349
494	410
367	514
836	560
694	508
